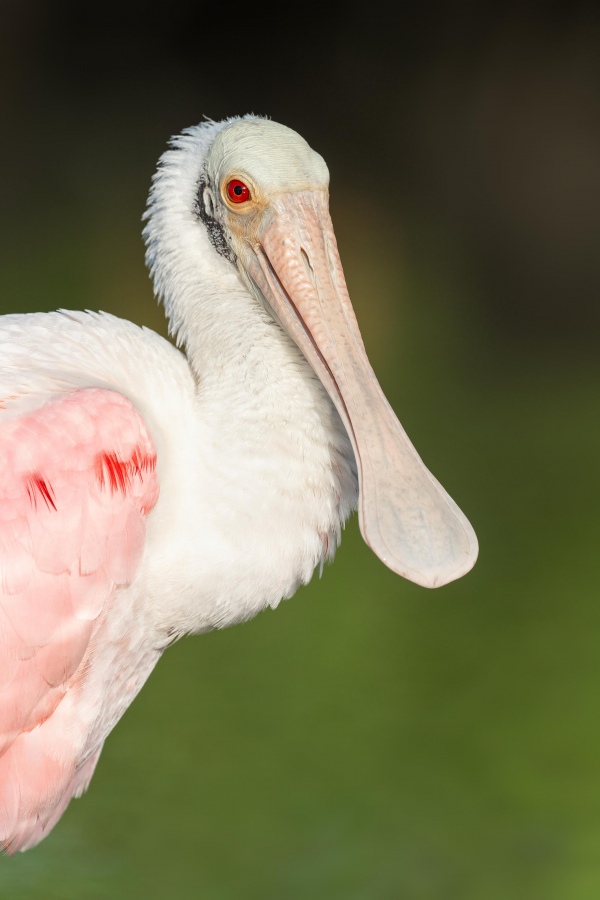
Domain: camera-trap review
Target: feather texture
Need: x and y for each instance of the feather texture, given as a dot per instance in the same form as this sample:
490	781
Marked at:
77	479
145	494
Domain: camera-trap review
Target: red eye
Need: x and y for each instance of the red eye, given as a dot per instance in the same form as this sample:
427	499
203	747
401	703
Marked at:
237	191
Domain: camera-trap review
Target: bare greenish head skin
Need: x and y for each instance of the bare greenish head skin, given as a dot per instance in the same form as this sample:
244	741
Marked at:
272	157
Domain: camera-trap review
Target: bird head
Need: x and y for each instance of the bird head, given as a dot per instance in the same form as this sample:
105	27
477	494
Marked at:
262	196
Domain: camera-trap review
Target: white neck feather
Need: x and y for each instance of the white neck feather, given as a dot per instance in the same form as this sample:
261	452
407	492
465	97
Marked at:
255	388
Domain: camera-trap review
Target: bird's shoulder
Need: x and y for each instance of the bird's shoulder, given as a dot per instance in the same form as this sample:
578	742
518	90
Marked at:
45	354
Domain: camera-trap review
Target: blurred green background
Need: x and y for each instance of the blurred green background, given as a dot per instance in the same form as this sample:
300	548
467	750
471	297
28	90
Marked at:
369	740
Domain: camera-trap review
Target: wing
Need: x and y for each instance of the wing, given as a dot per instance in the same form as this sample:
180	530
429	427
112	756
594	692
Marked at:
77	480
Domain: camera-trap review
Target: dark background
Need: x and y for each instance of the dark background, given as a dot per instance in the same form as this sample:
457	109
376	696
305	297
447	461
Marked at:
369	739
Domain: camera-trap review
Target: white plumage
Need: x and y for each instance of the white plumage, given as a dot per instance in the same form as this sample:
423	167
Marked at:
233	470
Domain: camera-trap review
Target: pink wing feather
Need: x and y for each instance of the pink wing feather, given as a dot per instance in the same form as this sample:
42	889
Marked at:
77	479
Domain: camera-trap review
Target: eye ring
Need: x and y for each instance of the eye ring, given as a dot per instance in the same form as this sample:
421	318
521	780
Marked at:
237	191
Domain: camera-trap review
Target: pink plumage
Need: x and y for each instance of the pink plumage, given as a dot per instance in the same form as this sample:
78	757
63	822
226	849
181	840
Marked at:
77	479
265	436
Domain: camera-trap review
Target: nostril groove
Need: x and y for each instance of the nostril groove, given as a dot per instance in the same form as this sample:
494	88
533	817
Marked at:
307	265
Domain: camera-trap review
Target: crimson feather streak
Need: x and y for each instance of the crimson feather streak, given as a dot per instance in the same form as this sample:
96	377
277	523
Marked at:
77	479
147	493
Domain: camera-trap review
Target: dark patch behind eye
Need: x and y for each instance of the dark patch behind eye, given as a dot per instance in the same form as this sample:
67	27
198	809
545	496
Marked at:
215	229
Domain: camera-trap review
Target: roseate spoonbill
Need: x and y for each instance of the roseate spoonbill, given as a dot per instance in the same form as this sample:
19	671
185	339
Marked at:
145	493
